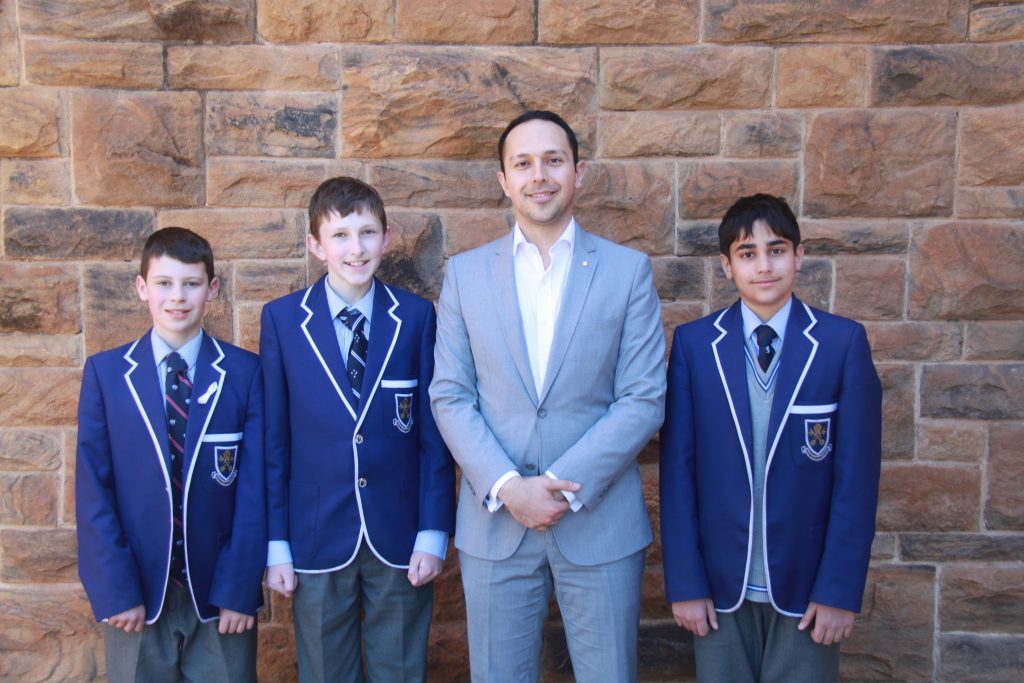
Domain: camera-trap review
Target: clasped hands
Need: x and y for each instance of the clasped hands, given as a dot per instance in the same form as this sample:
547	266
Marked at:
537	502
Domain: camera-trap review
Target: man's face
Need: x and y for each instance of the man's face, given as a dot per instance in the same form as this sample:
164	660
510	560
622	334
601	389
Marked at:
352	247
763	266
539	176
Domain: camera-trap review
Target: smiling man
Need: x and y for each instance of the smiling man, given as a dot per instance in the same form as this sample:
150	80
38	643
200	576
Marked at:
549	379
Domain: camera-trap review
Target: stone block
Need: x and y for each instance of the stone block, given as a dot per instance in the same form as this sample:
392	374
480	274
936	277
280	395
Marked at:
990	202
822	238
975	658
880	163
324	21
919	497
35	181
80	233
478	21
898	393
914	341
813	285
272	124
959	270
261	281
961	547
276	654
31	120
253	67
821	76
679	278
96	65
989	154
974	391
449	599
10	54
29	450
708	188
39	556
665	652
247	318
472	94
467	230
138	148
618	22
981	598
826	21
28	498
703	77
870	287
674	314
995	340
245	233
951	440
274	183
39	299
40	350
67	513
1004	508
893	637
448	652
659	134
414	259
438	184
652	591
936	75
762	134
883	547
697	238
992	24
629	202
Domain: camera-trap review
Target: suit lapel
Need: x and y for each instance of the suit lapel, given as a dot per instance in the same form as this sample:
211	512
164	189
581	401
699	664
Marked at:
506	307
384	328
731	364
798	350
319	330
207	385
144	386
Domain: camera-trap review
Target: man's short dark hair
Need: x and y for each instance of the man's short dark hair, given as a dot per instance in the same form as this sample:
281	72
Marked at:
539	115
738	222
181	244
344	195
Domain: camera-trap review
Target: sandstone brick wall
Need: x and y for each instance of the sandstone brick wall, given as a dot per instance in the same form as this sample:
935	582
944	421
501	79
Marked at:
894	127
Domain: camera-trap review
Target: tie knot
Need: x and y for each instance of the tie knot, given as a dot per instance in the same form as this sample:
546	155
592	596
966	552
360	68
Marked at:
176	363
765	336
352	318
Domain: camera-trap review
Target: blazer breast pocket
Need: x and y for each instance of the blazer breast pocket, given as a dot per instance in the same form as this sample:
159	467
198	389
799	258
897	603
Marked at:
400	397
813	430
222	452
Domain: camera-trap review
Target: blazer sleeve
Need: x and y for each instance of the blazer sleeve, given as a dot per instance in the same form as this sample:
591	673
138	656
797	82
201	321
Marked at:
106	565
437	471
277	428
843	569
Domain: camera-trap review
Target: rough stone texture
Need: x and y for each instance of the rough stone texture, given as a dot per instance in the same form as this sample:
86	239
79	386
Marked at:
948	74
265	280
883	547
44	350
39	396
970	658
247	182
246	233
996	24
990	202
49	635
982	598
29	450
914	341
247	325
870	288
276	653
38	233
39	556
961	547
30	123
917	497
67	513
473	94
35	181
860	237
415	254
324	21
10	72
28	498
618	22
898	393
948	440
973	281
679	278
996	340
974	391
657	134
708	188
38	298
880	163
685	78
821	76
469	229
872	21
437	184
989	154
272	124
774	134
630	203
102	65
1004	508
697	238
477	21
253	67
674	314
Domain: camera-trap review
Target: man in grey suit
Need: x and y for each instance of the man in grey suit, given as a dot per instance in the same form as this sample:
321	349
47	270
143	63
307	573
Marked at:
549	378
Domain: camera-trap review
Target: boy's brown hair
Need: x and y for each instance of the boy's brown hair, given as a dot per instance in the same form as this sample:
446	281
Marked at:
181	244
344	195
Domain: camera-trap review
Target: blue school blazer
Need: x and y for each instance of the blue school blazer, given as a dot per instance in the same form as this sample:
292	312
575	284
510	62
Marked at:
335	469
123	489
821	483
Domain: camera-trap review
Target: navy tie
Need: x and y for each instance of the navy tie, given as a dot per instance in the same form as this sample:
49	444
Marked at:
355	321
177	395
765	351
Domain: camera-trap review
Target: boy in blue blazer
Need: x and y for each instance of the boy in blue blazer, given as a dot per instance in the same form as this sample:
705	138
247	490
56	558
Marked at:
770	458
169	483
360	485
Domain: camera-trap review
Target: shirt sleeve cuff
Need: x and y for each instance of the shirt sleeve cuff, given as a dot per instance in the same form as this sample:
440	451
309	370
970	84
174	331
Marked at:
574	504
491	501
278	552
432	541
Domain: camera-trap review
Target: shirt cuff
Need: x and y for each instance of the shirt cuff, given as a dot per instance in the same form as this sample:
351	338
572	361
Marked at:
574	504
492	501
278	552
432	541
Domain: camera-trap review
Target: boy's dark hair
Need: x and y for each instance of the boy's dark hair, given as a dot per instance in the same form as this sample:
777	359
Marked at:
738	222
344	195
540	115
181	244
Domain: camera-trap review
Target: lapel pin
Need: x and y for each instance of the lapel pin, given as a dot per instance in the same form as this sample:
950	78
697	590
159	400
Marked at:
586	263
209	392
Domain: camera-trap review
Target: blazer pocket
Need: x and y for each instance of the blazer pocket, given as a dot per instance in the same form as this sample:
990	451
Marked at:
399	408
813	429
224	452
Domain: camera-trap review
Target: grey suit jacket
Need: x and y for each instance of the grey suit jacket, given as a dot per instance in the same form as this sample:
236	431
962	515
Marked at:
602	401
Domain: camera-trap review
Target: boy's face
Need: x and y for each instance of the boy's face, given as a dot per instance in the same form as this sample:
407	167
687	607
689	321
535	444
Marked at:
177	294
351	246
763	266
539	176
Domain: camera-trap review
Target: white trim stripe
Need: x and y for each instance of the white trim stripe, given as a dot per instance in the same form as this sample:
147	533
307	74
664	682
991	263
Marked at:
398	383
221	438
814	410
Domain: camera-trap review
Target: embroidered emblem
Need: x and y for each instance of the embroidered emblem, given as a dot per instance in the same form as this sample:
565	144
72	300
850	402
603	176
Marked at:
225	464
403	412
817	438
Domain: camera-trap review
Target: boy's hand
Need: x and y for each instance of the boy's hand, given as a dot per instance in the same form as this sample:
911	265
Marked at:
695	615
131	620
234	622
532	500
424	567
282	578
831	624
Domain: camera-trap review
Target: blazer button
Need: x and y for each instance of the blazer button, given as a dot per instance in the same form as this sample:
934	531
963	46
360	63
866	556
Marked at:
358	439
362	482
531	466
542	413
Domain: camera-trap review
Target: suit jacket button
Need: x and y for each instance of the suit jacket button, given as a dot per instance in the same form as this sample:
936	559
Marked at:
542	413
362	482
359	439
531	467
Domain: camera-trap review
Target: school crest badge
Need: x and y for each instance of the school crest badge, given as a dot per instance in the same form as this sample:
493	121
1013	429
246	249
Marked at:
403	412
817	438
225	464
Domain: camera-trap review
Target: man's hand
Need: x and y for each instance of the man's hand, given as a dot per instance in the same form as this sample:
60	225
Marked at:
131	620
234	622
424	567
533	501
695	615
282	578
831	624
